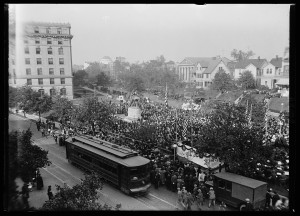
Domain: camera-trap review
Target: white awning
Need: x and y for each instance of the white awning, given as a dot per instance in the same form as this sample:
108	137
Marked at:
283	82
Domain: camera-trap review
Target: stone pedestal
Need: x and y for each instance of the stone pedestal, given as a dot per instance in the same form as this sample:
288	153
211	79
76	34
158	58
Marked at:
134	112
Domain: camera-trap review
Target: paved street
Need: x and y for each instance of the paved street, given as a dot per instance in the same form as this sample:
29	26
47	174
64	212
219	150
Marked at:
61	172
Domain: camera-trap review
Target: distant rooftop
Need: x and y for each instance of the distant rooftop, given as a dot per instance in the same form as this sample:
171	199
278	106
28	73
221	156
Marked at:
47	24
244	63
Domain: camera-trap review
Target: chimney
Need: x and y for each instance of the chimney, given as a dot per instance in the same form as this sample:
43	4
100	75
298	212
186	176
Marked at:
276	57
258	58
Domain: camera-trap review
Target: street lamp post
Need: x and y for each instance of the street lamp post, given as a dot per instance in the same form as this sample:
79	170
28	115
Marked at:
174	146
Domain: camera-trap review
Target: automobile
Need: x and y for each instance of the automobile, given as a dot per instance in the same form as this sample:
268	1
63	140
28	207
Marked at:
233	189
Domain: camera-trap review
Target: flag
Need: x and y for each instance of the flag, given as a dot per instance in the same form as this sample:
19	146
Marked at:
249	117
184	130
247	108
166	95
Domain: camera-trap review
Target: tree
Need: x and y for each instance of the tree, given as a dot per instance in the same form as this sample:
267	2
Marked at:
12	98
133	82
222	81
62	108
80	78
241	55
32	101
13	202
227	135
92	112
103	80
31	158
93	70
81	197
246	80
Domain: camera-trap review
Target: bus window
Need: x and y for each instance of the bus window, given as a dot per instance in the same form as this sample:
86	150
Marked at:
228	186
222	184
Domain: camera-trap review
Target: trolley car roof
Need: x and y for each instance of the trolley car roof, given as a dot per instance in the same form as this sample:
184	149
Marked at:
242	180
120	155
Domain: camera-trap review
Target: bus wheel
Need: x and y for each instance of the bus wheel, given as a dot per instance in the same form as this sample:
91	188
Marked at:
242	207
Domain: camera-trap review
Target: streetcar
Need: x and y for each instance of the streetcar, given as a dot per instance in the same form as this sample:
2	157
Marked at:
120	166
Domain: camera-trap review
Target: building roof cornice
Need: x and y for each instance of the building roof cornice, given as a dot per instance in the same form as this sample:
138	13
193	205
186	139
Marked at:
48	24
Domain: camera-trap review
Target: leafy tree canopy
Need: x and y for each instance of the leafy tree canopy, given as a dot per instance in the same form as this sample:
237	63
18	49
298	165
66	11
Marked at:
80	78
31	101
83	196
246	80
222	81
240	55
31	156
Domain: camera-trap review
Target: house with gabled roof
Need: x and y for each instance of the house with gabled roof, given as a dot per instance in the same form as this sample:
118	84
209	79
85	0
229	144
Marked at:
276	73
201	70
255	66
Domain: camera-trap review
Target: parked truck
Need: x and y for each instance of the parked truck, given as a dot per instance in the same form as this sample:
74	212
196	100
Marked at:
233	189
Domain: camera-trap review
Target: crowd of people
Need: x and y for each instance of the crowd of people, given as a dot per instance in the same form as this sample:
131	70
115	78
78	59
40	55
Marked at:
171	124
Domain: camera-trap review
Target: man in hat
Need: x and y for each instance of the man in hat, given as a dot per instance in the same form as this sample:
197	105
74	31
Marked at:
211	197
268	198
249	206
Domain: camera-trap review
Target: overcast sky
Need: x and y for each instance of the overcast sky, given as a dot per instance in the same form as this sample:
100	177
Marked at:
143	32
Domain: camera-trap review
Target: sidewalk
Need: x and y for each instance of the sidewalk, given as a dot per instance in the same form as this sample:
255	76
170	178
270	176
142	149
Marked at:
32	117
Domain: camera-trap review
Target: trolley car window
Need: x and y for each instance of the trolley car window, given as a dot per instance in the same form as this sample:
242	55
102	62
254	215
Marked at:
106	166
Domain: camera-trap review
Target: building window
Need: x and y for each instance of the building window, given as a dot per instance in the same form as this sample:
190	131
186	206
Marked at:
49	41
40	80
48	31
286	69
42	92
37	41
268	71
14	72
51	71
50	61
38	50
39	71
52	92
15	81
60	51
51	80
220	68
26	50
50	51
271	71
28	71
39	61
62	81
60	41
26	41
27	61
61	61
266	83
62	71
29	81
58	31
63	91
13	62
36	30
